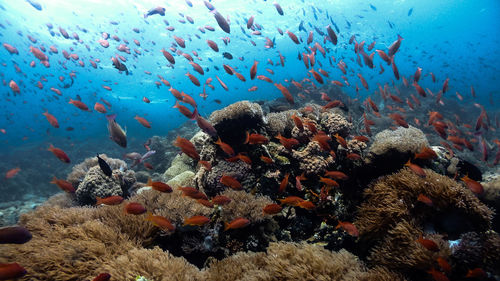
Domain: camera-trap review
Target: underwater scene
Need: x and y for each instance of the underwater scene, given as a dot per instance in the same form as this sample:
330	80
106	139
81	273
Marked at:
249	140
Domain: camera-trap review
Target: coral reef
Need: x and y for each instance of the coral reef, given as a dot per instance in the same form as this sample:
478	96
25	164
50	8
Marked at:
241	171
279	122
91	182
312	159
402	141
392	218
334	123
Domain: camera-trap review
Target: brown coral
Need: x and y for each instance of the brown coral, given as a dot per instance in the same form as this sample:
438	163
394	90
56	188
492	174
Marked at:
334	123
392	219
402	140
313	160
245	205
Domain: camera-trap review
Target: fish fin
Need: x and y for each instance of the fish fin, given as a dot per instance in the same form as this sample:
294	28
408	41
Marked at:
98	201
150	182
226	226
247	138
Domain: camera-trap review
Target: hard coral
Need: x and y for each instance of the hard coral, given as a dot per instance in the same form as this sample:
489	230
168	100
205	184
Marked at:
334	123
402	140
239	170
244	204
313	160
91	182
279	122
234	120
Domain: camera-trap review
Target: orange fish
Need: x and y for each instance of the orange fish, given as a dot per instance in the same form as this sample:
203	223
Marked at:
59	153
236	223
256	139
222	83
187	147
338	175
52	120
424	199
415	168
230	182
79	104
288	143
288	96
206	164
225	147
266	159
473	185
426	153
143	121
160	222
291	200
437	275
428	244
15	88
185	111
205	203
64	185
272	209
221	200
445	266
110	200
284	183
298	122
253	70
322	139
12	172
196	221
308	205
476	273
353	156
134	208
99	108
328	182
341	140
350	228
159	186
11	271
192	192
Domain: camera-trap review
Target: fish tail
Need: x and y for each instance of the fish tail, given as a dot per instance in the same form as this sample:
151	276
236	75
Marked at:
111	117
98	201
247	139
150	182
226	226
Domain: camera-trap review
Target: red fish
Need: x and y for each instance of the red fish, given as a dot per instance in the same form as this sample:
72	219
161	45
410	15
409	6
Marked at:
253	70
161	222
59	153
350	228
102	277
221	200
63	185
230	182
222	83
134	208
15	88
11	271
79	104
288	143
225	147
11	49
415	168
445	266
110	200
426	153
272	209
187	147
363	81
159	186
12	172
293	37
185	111
284	183
428	244
213	45
99	108
14	235
236	223
473	185
288	96
196	221
256	139
52	120
291	200
395	46
424	199
476	273
338	175
143	121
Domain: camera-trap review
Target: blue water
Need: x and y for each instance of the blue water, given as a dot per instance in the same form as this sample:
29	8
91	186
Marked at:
455	39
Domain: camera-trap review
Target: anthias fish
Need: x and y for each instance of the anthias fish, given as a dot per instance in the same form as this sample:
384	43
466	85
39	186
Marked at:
116	133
